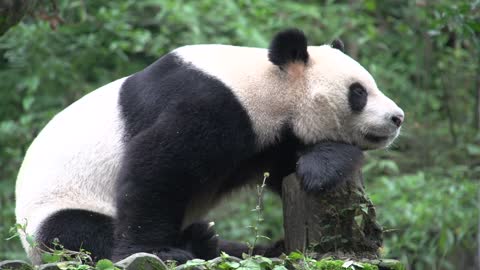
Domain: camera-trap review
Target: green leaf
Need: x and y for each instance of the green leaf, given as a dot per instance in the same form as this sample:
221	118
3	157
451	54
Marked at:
224	255
104	265
31	241
473	149
233	265
250	264
295	256
370	5
27	102
50	258
195	262
265	260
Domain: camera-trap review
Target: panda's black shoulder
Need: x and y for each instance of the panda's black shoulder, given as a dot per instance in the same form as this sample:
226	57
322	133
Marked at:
140	101
172	82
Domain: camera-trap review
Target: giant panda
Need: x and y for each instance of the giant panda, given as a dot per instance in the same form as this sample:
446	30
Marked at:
135	165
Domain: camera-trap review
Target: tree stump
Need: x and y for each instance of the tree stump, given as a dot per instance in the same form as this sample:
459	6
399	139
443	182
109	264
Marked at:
340	223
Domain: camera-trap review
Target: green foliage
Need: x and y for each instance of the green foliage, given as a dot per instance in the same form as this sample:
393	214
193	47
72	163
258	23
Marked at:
240	207
228	263
105	265
424	54
295	260
424	228
301	261
64	259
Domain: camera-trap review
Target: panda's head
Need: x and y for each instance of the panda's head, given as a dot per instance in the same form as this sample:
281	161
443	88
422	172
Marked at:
336	98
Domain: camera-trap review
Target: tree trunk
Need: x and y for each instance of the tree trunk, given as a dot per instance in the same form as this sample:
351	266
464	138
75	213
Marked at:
12	11
341	223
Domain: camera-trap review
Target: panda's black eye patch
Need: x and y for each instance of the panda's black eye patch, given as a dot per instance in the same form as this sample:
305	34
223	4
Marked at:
357	97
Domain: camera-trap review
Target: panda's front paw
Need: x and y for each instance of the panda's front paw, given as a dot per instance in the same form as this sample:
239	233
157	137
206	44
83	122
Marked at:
314	179
276	249
328	165
201	239
173	254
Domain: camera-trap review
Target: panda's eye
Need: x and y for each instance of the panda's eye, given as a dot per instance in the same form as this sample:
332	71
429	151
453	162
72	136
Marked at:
358	89
357	97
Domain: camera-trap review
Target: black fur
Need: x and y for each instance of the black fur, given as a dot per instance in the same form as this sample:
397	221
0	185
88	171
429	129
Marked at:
288	46
188	136
328	165
146	94
338	44
77	229
357	97
201	239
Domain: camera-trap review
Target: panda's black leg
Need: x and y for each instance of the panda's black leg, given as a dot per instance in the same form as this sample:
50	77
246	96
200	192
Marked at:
193	144
236	249
157	234
77	229
328	165
200	238
152	193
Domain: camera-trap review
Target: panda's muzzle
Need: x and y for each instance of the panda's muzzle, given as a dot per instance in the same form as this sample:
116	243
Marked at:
389	131
376	138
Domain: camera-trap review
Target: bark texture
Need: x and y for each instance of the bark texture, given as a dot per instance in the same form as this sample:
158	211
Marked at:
341	222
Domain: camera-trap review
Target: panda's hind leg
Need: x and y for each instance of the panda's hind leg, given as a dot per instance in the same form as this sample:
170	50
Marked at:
78	229
201	239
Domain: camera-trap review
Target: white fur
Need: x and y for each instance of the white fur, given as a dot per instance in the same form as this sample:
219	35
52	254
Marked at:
325	113
313	100
73	161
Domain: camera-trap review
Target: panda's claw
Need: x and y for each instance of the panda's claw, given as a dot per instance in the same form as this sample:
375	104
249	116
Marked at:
201	239
276	249
173	254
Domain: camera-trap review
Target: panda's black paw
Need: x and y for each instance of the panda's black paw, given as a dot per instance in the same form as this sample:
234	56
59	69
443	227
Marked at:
328	165
270	251
173	254
275	250
201	239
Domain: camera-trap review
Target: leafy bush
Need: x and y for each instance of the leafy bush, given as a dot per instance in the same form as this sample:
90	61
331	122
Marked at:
426	228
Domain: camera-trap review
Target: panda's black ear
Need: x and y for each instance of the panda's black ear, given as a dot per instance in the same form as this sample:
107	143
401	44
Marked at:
338	44
288	46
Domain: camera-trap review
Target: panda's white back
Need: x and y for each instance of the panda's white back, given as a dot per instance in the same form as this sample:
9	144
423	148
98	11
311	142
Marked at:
52	176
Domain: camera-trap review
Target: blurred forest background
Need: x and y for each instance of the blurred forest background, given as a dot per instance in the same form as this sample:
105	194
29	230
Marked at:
425	55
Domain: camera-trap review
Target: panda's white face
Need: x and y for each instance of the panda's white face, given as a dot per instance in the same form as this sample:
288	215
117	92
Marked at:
341	101
311	89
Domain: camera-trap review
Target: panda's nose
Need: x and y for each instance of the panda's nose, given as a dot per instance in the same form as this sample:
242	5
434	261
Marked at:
397	119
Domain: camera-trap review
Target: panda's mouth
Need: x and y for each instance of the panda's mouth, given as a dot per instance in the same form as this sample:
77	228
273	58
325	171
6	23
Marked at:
376	138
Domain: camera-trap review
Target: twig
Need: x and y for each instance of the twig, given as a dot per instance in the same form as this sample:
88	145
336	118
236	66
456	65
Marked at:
259	210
